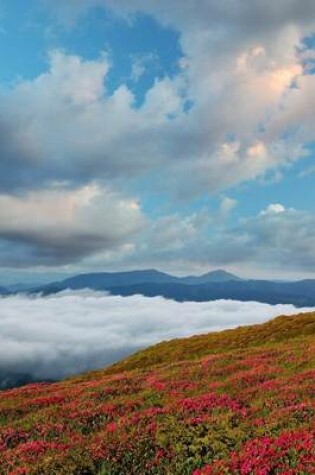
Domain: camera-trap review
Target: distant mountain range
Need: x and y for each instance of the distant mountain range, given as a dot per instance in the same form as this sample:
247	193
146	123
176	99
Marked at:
108	280
4	290
214	285
20	287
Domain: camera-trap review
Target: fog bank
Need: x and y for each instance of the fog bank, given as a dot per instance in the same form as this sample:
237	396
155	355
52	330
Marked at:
68	333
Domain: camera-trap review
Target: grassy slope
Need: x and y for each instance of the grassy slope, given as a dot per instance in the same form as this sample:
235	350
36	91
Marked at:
280	329
234	402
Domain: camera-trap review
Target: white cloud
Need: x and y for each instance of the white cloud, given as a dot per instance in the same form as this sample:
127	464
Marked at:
138	70
277	238
274	208
277	241
141	63
64	126
227	205
76	331
59	226
243	71
238	69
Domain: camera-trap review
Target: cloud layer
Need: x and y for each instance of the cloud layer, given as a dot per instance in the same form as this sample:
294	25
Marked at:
244	69
72	332
59	226
275	239
65	125
239	107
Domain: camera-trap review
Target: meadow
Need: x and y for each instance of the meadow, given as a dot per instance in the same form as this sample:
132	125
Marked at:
234	402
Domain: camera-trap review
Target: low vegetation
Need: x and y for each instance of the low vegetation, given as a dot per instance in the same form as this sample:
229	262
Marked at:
235	402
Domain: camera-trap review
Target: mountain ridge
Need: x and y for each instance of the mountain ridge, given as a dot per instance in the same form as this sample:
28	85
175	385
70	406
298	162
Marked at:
4	290
152	283
103	280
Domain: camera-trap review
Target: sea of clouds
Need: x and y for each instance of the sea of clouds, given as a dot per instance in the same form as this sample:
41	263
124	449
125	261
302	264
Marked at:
71	332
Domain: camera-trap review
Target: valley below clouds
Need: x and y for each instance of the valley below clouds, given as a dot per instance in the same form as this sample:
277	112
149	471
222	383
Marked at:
72	332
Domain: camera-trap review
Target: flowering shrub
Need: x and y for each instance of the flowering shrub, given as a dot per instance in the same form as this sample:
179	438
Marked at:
289	453
246	411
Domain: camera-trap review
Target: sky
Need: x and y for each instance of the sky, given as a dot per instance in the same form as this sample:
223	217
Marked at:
157	134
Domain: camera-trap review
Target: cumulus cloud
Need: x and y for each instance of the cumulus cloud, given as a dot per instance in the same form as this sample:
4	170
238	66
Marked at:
76	331
277	237
241	105
64	126
93	228
61	226
210	13
237	71
273	208
240	65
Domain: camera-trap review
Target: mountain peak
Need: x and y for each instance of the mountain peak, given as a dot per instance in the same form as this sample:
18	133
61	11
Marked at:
221	275
212	277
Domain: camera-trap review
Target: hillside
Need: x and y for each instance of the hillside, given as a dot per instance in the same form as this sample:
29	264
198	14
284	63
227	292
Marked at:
235	402
277	330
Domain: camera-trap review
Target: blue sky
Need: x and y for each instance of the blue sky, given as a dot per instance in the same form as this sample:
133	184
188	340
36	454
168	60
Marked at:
29	31
157	134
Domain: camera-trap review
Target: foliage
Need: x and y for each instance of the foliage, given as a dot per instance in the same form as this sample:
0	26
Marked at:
245	405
